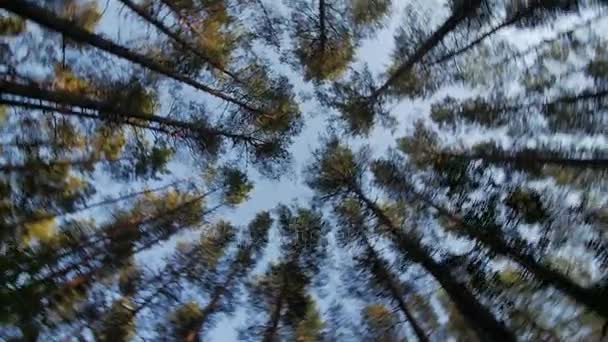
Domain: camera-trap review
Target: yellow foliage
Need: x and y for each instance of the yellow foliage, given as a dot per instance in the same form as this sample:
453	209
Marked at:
110	142
510	277
85	15
11	25
310	328
3	113
379	315
66	80
72	185
42	230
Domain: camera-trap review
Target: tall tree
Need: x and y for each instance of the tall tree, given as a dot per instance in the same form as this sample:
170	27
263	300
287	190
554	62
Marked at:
482	227
282	291
191	320
338	174
325	33
377	271
421	55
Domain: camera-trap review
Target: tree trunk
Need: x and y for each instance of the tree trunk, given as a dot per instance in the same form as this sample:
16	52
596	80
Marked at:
47	216
493	240
450	24
480	319
176	37
272	328
96	242
35	167
392	284
521	15
526	159
322	29
51	21
67	99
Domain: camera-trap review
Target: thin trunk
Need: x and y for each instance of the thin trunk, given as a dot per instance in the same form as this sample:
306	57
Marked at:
269	22
273	326
63	46
47	216
101	237
527	159
33	91
35	167
33	144
548	42
220	290
51	21
450	24
480	319
585	95
63	110
392	285
484	36
176	37
590	297
322	29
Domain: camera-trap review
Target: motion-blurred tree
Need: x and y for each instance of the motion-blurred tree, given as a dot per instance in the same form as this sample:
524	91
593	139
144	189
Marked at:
124	148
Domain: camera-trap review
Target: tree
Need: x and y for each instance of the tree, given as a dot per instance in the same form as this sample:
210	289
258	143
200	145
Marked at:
131	130
82	253
377	271
281	292
381	324
192	320
421	56
338	174
482	227
326	33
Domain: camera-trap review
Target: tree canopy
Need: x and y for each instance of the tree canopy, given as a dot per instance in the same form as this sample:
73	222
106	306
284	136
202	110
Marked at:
194	170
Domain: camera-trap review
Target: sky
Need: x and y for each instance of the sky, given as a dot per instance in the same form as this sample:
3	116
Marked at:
267	194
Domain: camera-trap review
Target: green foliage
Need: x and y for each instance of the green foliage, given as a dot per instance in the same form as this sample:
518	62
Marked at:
381	324
336	169
235	185
358	108
370	12
326	33
476	110
119	322
11	25
185	321
311	327
436	228
528	204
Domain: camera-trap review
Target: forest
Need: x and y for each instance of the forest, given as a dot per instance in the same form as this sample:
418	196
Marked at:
304	170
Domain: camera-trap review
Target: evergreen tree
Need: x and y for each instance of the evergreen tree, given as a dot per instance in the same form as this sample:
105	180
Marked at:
281	293
338	174
377	271
485	221
422	53
381	324
191	320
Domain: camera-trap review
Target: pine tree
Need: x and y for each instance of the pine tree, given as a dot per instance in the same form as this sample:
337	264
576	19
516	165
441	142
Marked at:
325	34
377	271
482	226
191	320
338	174
281	293
381	324
118	324
485	221
422	54
82	253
